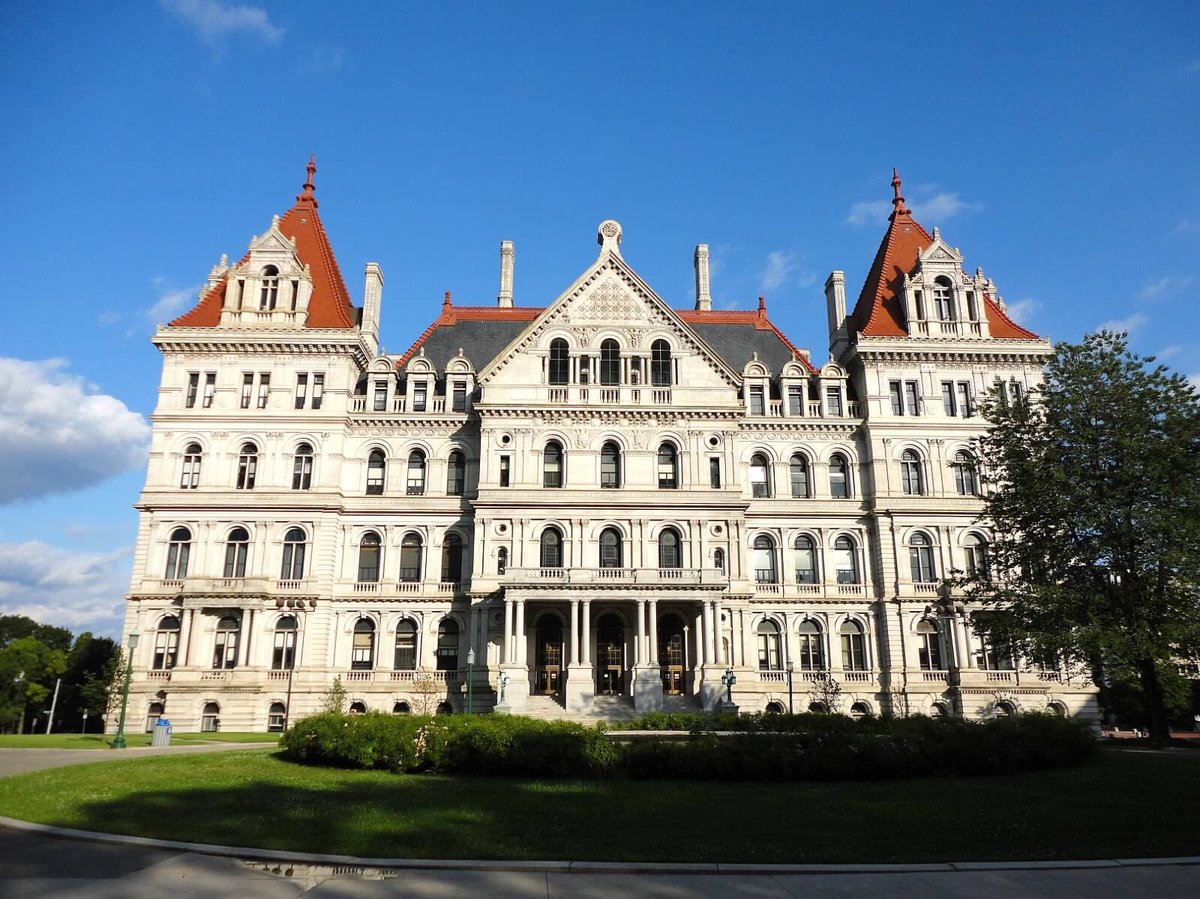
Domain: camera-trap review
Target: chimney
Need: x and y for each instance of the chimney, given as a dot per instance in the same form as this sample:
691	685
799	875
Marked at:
507	255
703	297
835	305
372	296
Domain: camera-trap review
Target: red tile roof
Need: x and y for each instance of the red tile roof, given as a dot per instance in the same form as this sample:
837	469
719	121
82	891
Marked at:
329	306
879	311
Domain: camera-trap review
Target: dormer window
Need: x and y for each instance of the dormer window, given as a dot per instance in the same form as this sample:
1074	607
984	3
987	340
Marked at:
269	292
560	362
420	396
943	299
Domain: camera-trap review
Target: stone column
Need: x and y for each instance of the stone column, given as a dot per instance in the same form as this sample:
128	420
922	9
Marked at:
653	655
716	633
586	640
509	641
706	632
581	689
638	629
522	657
574	632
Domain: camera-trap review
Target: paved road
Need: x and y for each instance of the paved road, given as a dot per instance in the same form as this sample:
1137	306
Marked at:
19	761
38	864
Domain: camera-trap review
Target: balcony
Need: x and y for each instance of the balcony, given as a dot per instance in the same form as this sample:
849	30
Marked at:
805	589
673	577
397	405
227	586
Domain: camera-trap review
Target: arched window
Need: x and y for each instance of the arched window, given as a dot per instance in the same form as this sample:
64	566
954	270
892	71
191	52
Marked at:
966	481
276	718
178	550
552	464
938	710
845	561
153	713
560	362
806	560
610	548
225	645
283	653
978	558
447	645
763	560
910	473
860	710
854	650
760	484
247	467
943	299
376	472
660	364
416	473
410	558
818	708
610	363
929	645
302	467
444	708
551	555
1004	709
812	646
798	468
362	647
401	708
768	646
839	477
610	465
269	293
719	560
920	556
406	645
237	547
668	467
294	549
501	560
166	644
456	474
210	720
358	707
189	479
774	708
452	558
669	555
370	548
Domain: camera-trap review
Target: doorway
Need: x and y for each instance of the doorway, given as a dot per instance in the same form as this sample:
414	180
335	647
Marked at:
610	656
548	654
672	654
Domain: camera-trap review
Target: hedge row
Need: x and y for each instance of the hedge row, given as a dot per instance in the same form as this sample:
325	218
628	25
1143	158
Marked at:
791	747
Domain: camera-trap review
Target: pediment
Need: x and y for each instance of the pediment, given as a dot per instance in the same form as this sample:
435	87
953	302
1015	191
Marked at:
939	252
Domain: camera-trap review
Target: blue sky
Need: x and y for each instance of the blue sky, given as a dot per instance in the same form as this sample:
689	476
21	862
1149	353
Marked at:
1055	144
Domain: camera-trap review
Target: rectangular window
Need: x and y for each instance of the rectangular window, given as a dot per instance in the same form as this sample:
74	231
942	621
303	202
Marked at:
948	405
966	408
1015	390
505	468
912	398
380	404
714	472
756	401
459	403
210	388
264	389
897	398
833	402
420	396
247	389
318	392
795	400
192	389
301	390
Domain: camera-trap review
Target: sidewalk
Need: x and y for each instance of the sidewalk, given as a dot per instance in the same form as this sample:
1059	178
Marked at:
20	761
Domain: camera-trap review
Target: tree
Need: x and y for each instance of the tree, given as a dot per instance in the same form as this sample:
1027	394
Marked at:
28	669
87	679
1094	499
100	692
827	691
334	702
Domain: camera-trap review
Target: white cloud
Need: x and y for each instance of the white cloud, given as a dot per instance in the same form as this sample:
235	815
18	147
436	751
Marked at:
780	265
1163	287
55	585
1023	311
928	207
214	20
942	206
1129	324
869	213
1167	352
57	434
1194	380
172	302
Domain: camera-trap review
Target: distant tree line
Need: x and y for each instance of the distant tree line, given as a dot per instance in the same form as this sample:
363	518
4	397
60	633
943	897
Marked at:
33	657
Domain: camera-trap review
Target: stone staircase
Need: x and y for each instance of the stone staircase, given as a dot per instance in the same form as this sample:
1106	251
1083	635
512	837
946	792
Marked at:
614	709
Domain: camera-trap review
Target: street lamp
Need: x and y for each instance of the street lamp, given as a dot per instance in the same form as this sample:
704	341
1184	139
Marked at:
729	679
791	667
470	677
119	741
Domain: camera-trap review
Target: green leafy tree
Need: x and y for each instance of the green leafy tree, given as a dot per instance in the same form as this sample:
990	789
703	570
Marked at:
100	692
28	670
87	662
1094	499
334	702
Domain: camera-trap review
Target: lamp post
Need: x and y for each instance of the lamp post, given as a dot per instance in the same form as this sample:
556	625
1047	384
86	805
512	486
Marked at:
119	740
947	607
791	667
728	679
470	678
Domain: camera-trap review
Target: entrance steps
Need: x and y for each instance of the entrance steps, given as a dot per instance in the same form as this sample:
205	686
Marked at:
680	704
604	708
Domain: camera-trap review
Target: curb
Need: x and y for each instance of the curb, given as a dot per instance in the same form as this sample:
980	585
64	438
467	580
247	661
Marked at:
575	867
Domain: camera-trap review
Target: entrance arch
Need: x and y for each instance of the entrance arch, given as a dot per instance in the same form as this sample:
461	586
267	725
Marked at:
672	654
610	655
548	654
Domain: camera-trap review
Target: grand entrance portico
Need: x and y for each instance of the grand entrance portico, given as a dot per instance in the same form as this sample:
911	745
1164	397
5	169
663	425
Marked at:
641	648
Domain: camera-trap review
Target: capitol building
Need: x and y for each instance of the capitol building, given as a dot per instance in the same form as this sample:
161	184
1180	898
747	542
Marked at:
584	506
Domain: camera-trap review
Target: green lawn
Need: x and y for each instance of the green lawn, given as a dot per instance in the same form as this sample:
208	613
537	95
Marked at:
1125	804
99	741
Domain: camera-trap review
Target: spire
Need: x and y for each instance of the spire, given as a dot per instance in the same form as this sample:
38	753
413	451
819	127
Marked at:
898	198
309	187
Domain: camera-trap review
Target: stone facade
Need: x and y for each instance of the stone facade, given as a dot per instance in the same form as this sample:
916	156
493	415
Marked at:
589	507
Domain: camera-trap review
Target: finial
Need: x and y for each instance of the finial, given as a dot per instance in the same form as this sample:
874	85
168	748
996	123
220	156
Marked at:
446	302
937	233
898	198
608	235
762	305
309	187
